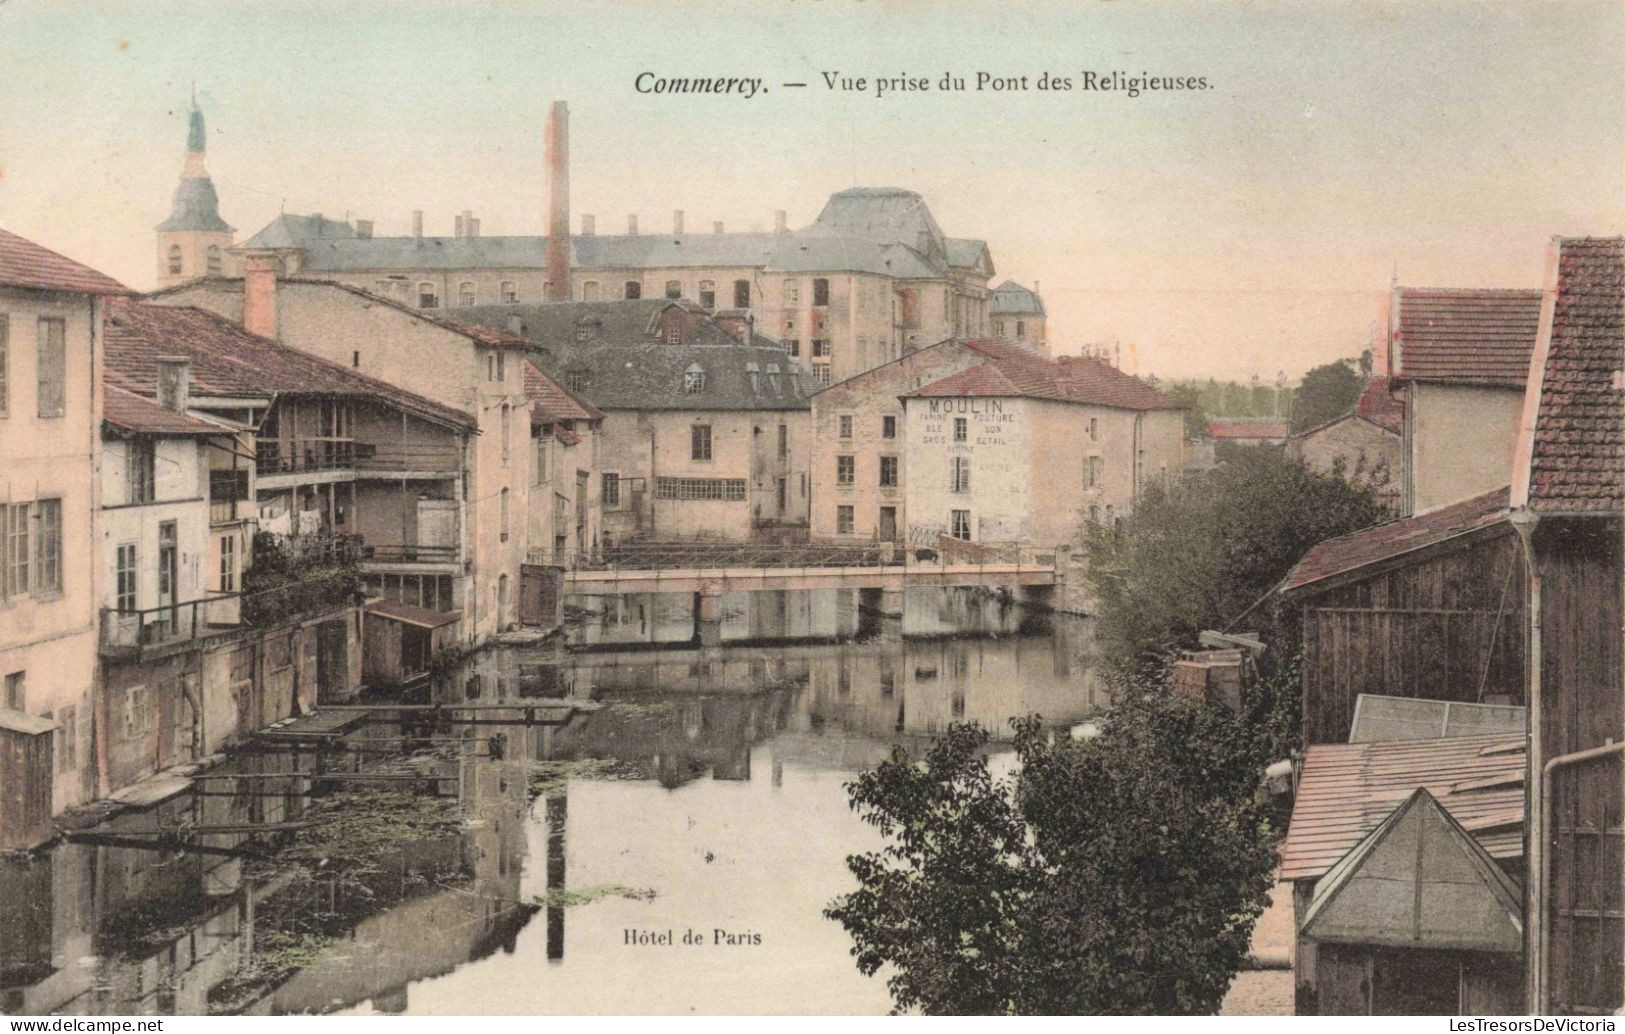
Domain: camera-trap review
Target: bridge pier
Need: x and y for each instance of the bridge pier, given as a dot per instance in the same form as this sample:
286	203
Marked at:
886	603
708	615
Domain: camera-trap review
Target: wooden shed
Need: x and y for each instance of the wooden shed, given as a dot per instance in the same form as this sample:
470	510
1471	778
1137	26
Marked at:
1428	607
26	767
400	639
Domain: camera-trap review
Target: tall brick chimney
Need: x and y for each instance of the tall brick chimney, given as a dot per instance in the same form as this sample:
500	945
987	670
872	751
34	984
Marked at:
558	211
174	382
259	294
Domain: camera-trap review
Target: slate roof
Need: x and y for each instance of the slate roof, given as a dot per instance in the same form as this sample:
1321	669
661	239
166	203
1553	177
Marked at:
1012	299
228	361
124	410
1462	336
196	207
1394	538
1011	371
1242	430
1578	454
622	364
297	231
553	401
25	264
1346	790
885	215
967	253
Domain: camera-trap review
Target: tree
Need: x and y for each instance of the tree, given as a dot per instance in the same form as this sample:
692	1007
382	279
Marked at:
1120	874
1327	392
1200	552
1190	395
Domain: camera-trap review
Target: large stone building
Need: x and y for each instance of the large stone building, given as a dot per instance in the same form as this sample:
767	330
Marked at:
705	423
1461	359
1019	449
1018	315
50	414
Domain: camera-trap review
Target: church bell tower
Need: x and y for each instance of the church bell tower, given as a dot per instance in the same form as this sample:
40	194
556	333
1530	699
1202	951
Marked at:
193	241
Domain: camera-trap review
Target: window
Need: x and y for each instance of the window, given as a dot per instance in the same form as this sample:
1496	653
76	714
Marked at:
465	294
611	489
17	691
674	289
508	291
5	366
961	428
708	294
959	475
741	294
693	380
53	374
674	332
725	489
888	427
1094	472
67	739
794	346
504	504
821	291
541	461
590	291
846	469
1094	429
792	294
213	260
228	563
820	348
846	427
820	372
507	424
17	549
48	548
124	575
960	525
843	520
784	441
495	366
139	464
633	290
174	260
888	472
699	442
427	299
576	379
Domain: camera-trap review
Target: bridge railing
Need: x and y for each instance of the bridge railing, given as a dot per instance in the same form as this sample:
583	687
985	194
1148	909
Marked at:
645	556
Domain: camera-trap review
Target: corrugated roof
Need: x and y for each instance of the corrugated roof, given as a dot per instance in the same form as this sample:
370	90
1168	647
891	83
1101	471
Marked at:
1346	790
553	401
125	410
1463	336
25	264
1385	541
1012	299
1015	372
228	361
1578	455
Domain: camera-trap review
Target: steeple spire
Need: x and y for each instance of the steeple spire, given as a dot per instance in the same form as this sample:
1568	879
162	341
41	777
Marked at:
196	207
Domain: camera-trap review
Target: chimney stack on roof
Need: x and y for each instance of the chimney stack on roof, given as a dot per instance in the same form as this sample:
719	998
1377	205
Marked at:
779	225
417	223
677	221
631	226
468	223
473	227
457	226
558	212
174	382
716	227
259	294
363	229
589	225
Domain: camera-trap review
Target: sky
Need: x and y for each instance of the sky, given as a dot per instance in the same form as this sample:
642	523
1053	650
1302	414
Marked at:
1249	228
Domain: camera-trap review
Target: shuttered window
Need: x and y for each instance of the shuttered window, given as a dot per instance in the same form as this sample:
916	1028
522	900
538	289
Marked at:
52	367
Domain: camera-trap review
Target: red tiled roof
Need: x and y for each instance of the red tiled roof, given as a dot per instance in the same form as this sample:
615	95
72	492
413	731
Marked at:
1372	545
1578	455
1381	406
229	361
555	402
1345	790
1013	371
1225	429
127	411
25	264
1462	336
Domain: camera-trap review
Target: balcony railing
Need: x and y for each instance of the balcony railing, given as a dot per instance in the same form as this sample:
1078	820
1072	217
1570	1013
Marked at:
304	455
176	623
408	553
396	456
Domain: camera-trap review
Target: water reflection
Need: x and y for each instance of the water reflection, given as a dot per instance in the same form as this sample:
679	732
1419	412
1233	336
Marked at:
728	805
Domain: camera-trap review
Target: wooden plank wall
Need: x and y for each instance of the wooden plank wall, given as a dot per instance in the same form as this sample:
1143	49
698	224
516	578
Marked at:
1582	706
1446	627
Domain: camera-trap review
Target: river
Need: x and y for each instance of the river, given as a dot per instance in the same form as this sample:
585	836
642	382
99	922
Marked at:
669	852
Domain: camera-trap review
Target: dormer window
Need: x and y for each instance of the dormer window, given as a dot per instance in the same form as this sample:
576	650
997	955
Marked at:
583	331
693	380
575	379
